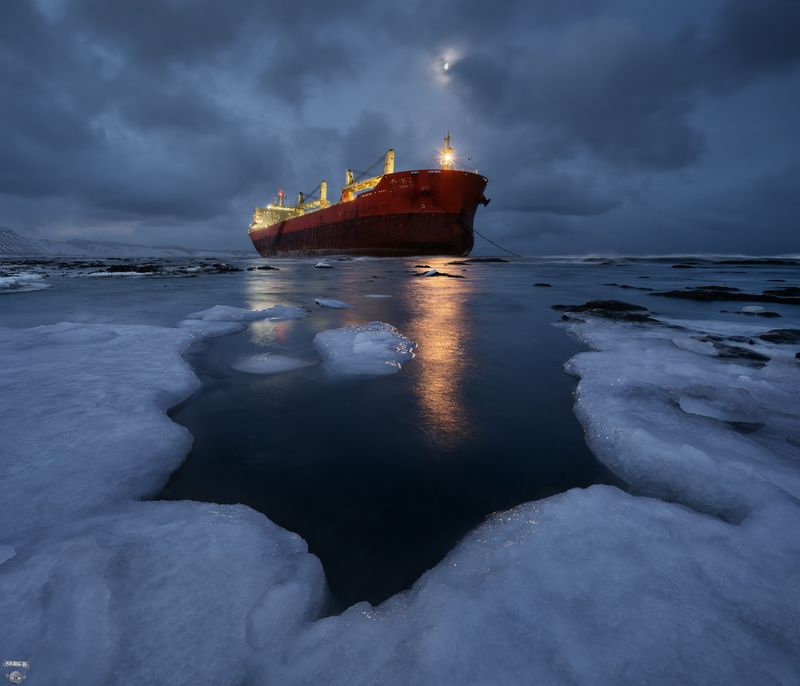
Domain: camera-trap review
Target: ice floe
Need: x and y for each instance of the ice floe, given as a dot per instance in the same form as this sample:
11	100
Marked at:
227	313
373	349
153	592
270	363
23	282
667	414
96	587
323	265
332	303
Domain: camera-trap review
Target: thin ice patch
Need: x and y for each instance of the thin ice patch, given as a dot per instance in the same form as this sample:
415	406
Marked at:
270	363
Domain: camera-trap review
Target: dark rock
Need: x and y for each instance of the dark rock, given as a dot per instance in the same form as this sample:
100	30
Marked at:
780	261
605	305
220	268
138	268
267	267
427	266
789	291
610	309
449	276
765	313
781	336
722	293
626	286
541	284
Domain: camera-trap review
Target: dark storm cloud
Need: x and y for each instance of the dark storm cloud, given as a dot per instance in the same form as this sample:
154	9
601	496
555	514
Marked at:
625	93
560	193
190	111
751	39
604	86
295	66
104	130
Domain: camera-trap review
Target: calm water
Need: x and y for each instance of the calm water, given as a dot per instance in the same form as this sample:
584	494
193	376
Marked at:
383	476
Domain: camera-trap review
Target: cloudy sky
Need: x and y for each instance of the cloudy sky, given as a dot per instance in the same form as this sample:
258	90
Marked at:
615	126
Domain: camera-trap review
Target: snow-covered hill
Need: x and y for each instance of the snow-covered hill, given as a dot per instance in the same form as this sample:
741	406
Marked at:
11	243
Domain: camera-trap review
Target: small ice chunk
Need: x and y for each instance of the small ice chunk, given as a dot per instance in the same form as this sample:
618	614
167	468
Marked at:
323	265
377	295
430	272
270	363
23	283
332	302
693	345
752	309
226	313
103	275
373	349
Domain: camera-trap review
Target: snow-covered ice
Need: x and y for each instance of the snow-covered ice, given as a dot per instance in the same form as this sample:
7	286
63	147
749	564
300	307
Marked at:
153	592
593	586
373	349
332	303
95	587
227	313
270	363
82	418
23	282
323	265
663	413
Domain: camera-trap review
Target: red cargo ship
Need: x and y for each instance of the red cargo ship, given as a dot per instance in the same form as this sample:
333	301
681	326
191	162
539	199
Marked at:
419	212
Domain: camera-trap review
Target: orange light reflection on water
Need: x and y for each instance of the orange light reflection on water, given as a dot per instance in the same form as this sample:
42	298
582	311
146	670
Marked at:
441	330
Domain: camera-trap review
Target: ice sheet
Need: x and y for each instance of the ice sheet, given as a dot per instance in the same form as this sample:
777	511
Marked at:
373	349
23	282
151	593
95	587
227	313
270	363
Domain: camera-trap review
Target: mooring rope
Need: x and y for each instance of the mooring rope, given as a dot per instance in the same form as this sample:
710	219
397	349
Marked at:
510	252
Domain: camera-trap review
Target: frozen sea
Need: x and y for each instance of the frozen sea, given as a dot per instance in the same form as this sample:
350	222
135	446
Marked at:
401	471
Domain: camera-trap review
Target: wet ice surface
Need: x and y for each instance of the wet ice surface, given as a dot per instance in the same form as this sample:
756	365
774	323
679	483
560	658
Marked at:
689	577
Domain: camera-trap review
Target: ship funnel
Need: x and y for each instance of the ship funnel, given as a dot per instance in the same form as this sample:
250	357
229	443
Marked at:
388	162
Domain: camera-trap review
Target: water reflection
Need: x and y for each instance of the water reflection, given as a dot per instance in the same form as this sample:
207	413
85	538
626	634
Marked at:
439	326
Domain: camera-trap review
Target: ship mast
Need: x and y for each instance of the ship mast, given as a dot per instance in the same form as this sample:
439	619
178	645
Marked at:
447	155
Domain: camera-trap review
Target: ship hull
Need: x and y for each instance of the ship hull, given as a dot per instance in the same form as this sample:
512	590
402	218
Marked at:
423	212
